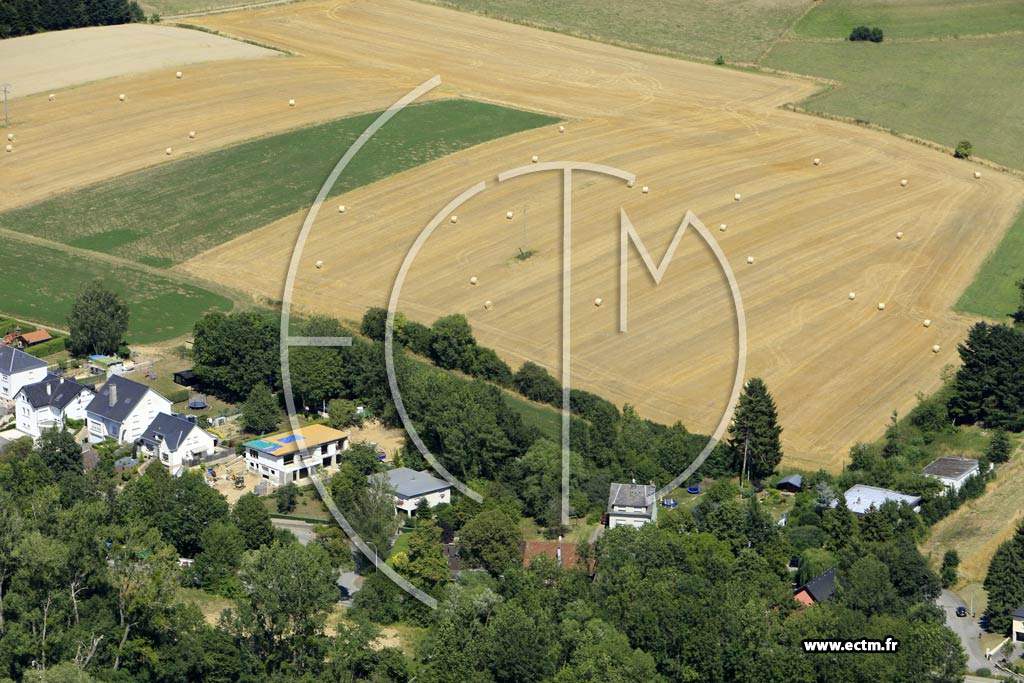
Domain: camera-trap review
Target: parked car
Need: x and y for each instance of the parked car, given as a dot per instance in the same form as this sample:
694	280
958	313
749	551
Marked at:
961	611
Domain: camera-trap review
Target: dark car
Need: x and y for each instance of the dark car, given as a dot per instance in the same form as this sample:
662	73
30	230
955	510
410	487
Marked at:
961	611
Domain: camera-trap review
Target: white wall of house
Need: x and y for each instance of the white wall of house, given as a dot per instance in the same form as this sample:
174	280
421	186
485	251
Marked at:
409	505
11	384
954	483
1018	630
197	441
33	421
129	430
284	469
615	520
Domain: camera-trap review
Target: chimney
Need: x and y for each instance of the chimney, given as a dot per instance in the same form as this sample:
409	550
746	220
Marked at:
112	396
558	552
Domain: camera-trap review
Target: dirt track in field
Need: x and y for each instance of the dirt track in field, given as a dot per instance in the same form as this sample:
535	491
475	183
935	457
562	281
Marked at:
695	134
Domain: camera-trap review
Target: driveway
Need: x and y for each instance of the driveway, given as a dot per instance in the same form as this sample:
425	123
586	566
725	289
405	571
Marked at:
967	628
302	530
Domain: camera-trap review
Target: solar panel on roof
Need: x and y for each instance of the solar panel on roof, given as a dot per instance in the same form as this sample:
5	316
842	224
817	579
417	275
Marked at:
290	439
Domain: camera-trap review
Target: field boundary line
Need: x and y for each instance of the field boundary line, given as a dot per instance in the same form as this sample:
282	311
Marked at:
795	38
232	8
786	31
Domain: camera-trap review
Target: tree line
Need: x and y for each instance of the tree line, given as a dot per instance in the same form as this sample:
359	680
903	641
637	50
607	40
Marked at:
24	17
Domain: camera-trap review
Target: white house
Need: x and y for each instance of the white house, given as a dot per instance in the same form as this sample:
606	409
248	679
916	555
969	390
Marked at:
411	487
122	410
279	458
632	505
1017	632
47	404
952	471
176	441
861	498
17	369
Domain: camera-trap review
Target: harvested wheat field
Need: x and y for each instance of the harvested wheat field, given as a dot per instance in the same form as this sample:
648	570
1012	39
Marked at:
695	135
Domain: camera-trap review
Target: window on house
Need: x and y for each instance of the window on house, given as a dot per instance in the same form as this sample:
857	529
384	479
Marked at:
289	459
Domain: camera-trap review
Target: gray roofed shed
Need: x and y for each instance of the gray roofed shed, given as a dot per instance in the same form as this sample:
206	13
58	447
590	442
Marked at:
409	483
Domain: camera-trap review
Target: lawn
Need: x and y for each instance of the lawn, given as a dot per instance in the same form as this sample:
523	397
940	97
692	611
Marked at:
912	18
168	213
160	308
739	30
994	291
546	419
945	91
210	605
166	8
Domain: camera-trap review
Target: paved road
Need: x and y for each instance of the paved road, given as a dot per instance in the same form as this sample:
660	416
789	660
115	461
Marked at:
302	530
967	628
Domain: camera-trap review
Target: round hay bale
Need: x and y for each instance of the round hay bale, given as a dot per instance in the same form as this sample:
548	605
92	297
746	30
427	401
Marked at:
817	162
122	97
52	97
10	137
178	74
899	235
291	103
488	304
319	265
534	158
509	214
737	196
191	135
927	323
936	348
904	182
9	148
341	208
630	183
645	189
977	174
851	296
881	306
598	301
723	227
455	219
473	280
750	259
168	151
561	129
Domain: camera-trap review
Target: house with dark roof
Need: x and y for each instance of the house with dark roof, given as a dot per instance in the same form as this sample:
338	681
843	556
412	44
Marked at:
952	471
17	369
411	487
176	441
1017	632
793	483
122	410
49	403
632	505
819	589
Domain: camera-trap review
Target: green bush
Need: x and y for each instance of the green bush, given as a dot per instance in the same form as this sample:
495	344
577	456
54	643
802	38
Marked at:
963	150
47	348
720	60
875	35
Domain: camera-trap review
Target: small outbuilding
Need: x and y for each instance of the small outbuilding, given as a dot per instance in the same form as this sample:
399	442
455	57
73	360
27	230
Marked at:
952	471
793	483
185	378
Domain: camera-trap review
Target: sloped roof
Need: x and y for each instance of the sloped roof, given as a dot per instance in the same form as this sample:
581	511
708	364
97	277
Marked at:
821	587
173	429
1018	613
61	392
631	495
14	360
950	467
129	394
793	480
36	336
409	483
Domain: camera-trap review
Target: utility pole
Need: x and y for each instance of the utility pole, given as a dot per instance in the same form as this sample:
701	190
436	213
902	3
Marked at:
523	249
6	87
743	470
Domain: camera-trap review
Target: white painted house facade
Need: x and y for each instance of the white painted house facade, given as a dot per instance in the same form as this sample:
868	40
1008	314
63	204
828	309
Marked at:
17	369
412	487
632	505
49	403
278	458
176	441
122	410
951	471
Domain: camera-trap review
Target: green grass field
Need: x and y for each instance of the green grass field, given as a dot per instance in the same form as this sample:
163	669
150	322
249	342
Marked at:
44	282
170	7
739	30
173	211
546	419
945	91
994	291
913	18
